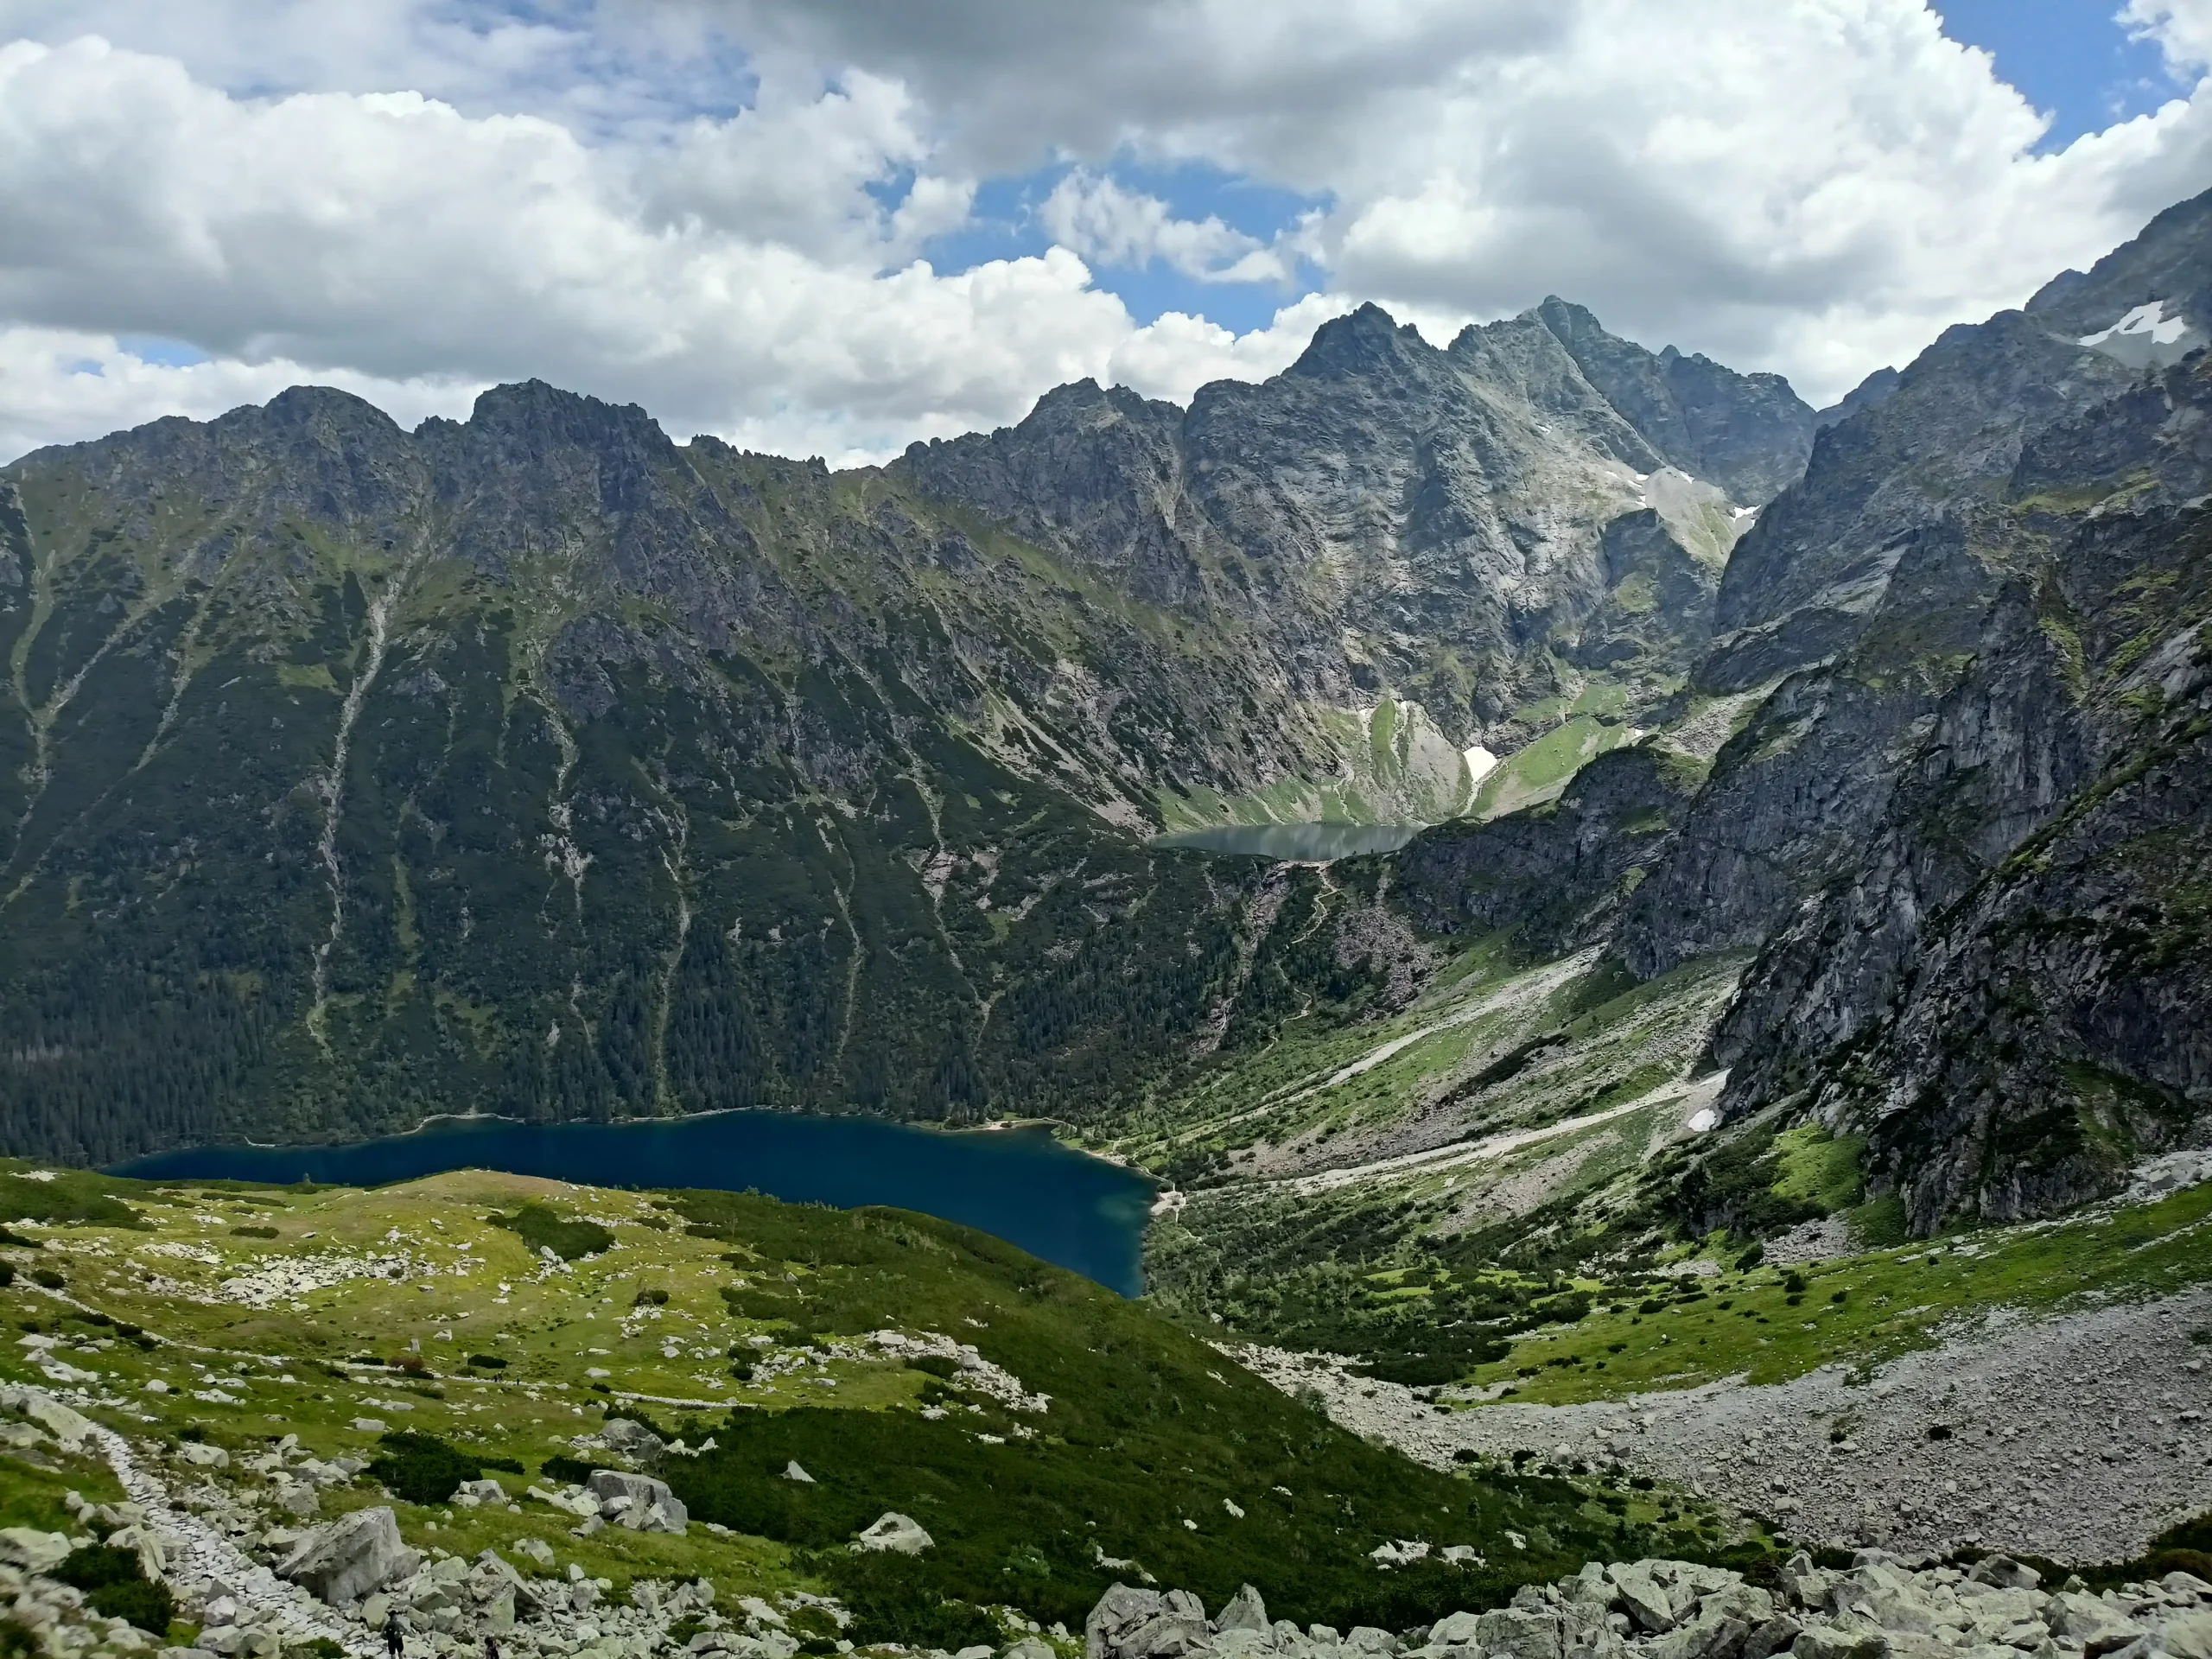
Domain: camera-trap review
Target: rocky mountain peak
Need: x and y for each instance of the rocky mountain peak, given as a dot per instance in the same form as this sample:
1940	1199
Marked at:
1358	343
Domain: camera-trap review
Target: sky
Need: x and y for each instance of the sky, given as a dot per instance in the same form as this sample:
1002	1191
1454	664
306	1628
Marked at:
835	226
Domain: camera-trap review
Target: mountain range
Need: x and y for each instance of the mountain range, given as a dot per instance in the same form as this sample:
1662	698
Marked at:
538	764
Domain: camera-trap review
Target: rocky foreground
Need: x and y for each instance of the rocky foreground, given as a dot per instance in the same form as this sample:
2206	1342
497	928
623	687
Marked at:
2074	1439
1883	1607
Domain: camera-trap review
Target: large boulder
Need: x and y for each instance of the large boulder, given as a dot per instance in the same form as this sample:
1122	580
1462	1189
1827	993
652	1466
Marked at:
632	1440
72	1428
1518	1633
637	1502
1244	1611
1651	1604
495	1579
1119	1612
28	1547
1130	1623
1830	1642
1715	1635
2003	1573
2098	1626
345	1560
2189	1636
1456	1630
901	1534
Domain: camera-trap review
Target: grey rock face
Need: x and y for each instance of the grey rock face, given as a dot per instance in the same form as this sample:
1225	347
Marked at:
1749	433
1955	422
632	1439
344	1561
636	1502
1382	504
1557	874
1245	1611
1988	958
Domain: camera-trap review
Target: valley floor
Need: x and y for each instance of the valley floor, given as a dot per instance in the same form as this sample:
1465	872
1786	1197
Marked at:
2077	1438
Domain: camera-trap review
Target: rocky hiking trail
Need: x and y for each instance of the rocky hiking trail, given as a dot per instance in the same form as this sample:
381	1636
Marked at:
2077	1438
336	1584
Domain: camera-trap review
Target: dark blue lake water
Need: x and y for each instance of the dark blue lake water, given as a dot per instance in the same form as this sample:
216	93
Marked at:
1072	1209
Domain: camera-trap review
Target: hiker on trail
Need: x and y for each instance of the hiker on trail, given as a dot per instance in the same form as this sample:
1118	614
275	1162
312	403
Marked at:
395	1636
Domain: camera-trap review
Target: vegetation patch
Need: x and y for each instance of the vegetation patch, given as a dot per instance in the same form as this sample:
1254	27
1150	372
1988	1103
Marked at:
544	1227
423	1469
115	1584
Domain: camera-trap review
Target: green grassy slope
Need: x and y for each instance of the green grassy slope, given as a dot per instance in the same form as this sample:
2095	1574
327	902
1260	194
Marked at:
730	1317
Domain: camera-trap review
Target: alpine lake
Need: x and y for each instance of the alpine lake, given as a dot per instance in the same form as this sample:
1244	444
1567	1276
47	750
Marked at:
1022	1186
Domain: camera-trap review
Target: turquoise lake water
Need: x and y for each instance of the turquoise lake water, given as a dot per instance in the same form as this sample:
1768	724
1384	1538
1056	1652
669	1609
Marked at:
1078	1211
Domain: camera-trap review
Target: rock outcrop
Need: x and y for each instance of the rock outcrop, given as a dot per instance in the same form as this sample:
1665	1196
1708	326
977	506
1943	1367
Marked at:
1882	1606
346	1559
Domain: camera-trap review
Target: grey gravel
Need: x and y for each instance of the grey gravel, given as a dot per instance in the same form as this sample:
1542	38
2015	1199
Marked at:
2077	1438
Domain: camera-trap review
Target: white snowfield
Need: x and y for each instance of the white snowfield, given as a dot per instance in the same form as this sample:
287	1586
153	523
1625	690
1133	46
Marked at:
2150	319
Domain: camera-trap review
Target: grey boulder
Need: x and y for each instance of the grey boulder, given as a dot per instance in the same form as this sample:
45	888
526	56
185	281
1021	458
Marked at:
345	1560
1244	1611
632	1439
900	1534
637	1502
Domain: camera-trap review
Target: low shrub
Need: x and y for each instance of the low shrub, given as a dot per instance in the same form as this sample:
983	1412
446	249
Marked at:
423	1469
116	1585
544	1227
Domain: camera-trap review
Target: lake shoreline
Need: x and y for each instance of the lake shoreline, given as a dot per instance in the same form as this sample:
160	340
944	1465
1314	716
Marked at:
1018	1180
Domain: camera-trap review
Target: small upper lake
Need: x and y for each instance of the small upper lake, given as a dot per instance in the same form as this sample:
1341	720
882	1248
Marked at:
1072	1209
1293	841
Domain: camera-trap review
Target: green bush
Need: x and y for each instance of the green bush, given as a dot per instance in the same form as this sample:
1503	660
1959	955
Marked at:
423	1469
150	1606
487	1362
48	1277
544	1227
253	1232
116	1585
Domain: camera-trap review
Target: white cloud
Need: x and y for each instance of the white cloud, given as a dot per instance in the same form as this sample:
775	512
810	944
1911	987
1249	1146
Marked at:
60	384
1175	354
730	279
717	208
1817	188
2183	29
1105	222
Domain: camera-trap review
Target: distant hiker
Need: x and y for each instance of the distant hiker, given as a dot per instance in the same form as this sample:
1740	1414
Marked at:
491	1647
395	1635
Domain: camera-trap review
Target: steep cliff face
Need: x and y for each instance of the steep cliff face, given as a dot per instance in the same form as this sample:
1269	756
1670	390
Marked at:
1944	438
1555	874
2009	991
1748	433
